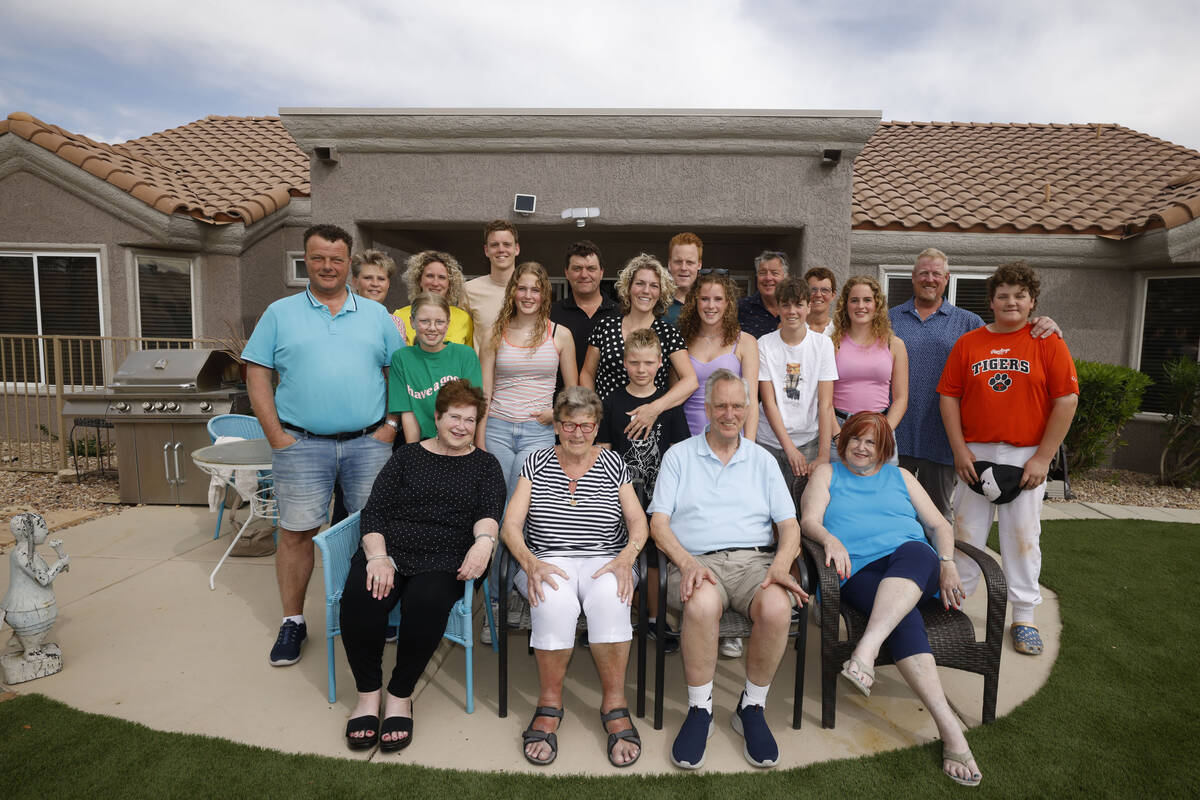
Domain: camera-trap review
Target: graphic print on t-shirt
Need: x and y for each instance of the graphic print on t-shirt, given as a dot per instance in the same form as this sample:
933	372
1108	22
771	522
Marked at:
643	457
791	383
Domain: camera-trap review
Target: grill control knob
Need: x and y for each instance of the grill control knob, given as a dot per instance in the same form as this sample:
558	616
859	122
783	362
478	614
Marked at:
159	406
122	407
206	406
172	406
146	406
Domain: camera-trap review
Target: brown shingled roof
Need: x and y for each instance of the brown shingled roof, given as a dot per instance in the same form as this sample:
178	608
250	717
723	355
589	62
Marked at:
218	169
1102	179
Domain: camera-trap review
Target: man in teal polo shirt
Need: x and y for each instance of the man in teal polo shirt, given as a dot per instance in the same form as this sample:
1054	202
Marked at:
325	422
716	497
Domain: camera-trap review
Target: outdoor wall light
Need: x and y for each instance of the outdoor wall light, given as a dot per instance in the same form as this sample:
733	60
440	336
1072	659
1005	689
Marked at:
830	158
326	153
580	215
525	204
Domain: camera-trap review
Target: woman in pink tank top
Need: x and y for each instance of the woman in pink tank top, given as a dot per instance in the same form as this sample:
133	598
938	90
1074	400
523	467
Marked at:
709	326
872	362
520	365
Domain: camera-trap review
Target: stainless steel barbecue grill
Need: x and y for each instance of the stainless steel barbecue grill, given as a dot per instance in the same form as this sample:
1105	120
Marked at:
159	403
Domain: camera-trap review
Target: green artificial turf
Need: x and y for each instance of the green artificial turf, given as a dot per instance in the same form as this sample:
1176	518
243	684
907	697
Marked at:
1115	719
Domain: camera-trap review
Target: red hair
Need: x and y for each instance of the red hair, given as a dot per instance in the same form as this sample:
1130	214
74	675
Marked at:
874	424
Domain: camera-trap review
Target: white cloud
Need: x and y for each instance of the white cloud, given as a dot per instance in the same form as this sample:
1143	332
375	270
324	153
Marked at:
1021	61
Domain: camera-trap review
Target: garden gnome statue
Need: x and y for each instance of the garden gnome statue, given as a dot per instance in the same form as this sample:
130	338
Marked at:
29	607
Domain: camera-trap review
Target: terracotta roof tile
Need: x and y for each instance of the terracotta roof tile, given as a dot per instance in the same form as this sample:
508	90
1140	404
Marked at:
218	169
1029	178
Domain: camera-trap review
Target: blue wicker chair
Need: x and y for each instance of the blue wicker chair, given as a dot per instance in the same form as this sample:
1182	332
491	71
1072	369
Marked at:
243	427
338	544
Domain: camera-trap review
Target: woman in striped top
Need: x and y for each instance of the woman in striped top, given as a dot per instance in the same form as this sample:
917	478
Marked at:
575	526
520	365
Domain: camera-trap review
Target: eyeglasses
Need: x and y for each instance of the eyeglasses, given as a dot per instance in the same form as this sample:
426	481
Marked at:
824	290
586	427
707	271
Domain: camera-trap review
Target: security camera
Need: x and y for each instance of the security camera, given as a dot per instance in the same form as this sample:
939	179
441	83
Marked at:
580	215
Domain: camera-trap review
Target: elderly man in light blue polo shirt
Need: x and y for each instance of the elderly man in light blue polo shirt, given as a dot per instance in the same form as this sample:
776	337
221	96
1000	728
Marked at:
715	500
325	421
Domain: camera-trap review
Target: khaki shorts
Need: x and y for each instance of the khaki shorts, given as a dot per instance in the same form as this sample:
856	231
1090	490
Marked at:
739	574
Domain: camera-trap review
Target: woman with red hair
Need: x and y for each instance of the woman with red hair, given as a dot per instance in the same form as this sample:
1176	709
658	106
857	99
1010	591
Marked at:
871	517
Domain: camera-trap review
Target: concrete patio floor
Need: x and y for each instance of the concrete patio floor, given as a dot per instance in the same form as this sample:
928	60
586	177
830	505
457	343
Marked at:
144	639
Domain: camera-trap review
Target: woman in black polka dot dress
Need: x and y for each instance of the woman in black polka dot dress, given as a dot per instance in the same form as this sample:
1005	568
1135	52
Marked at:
645	290
430	524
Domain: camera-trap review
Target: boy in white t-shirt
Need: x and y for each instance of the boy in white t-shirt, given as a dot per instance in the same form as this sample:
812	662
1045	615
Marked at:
796	371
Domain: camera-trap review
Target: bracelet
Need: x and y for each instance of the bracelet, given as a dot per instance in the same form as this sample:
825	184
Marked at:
486	536
946	559
385	555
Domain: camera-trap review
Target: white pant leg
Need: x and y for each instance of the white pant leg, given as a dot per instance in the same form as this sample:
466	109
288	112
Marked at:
607	616
555	619
972	513
1020	538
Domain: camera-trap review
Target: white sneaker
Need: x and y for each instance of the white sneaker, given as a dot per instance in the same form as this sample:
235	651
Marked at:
730	648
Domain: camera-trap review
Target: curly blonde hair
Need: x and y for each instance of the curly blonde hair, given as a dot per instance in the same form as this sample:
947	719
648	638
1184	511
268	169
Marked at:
689	317
635	265
881	326
508	308
414	266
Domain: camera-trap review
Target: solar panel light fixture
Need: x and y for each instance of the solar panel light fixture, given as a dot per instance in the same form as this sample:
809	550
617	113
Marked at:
580	215
525	204
830	157
326	153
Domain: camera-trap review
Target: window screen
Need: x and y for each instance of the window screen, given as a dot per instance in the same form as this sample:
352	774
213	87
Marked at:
1170	329
165	296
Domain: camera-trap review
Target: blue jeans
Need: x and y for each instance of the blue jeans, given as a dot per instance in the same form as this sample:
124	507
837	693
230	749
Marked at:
306	471
513	442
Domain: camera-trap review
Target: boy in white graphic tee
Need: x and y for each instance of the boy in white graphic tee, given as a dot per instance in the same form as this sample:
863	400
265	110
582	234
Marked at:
795	383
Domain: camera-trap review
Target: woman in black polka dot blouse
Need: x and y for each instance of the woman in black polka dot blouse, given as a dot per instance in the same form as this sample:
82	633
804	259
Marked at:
645	290
430	524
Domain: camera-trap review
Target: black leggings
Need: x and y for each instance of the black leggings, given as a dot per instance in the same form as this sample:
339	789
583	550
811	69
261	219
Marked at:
425	603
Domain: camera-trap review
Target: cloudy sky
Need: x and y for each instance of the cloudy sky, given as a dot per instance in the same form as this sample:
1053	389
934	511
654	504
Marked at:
118	69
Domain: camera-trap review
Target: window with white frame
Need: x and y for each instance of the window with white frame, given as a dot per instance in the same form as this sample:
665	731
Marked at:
966	290
295	273
47	294
1170	330
165	297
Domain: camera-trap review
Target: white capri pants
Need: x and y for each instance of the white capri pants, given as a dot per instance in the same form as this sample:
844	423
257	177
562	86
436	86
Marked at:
555	618
1020	530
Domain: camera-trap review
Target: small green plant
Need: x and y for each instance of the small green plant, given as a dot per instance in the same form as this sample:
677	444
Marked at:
1109	396
1180	461
83	447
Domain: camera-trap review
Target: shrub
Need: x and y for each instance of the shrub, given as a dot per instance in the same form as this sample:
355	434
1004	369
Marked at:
1109	396
1180	461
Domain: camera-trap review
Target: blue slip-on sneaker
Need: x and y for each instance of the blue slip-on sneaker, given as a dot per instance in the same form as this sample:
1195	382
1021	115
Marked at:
692	739
749	722
1026	638
287	645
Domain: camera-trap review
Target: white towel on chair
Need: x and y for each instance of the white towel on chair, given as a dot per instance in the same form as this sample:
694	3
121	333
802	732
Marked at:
245	480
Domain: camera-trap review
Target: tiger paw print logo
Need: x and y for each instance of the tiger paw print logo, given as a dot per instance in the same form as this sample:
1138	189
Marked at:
1000	382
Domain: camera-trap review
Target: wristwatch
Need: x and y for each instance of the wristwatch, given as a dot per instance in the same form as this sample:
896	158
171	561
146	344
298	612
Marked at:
392	424
945	558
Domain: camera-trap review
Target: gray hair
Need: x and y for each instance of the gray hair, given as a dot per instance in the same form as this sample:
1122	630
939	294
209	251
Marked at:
772	255
577	400
720	375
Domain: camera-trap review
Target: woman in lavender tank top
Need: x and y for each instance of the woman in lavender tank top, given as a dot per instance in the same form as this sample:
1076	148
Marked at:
709	325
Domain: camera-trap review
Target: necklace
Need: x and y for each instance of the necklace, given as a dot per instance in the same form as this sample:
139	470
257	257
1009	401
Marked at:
444	450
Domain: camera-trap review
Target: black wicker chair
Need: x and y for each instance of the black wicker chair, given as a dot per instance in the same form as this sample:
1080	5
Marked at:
951	632
508	570
732	624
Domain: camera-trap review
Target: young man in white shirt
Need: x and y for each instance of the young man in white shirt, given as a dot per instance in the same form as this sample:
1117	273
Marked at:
795	384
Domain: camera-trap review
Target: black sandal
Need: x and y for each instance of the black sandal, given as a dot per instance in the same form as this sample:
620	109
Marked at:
397	725
630	734
530	735
368	722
